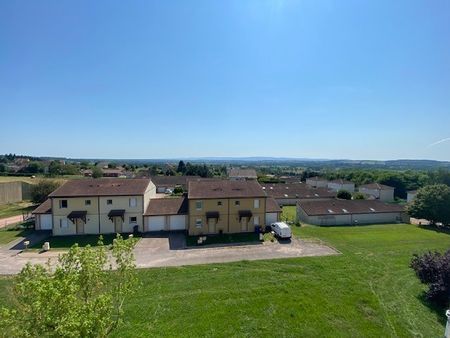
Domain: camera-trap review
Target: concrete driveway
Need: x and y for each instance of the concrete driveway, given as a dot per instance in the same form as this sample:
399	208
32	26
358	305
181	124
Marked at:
170	250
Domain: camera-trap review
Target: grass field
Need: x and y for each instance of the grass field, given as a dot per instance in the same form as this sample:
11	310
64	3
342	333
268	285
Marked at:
368	291
13	209
36	179
288	213
9	234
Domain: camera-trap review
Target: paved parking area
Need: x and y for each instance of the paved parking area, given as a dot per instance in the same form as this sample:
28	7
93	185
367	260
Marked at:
170	250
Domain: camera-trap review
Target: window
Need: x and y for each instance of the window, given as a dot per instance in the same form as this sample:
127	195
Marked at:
62	204
198	223
133	219
87	202
198	205
236	203
256	204
219	203
63	223
108	202
133	202
255	220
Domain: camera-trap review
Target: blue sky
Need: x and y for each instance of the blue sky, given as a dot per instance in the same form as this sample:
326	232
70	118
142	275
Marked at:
162	79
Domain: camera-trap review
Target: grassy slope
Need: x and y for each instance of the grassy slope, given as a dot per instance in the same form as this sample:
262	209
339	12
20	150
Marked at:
13	209
7	235
369	291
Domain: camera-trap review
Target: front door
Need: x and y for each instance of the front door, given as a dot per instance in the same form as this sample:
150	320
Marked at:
118	225
212	225
244	222
80	226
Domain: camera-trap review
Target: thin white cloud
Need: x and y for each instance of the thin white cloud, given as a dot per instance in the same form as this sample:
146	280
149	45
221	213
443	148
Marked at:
438	142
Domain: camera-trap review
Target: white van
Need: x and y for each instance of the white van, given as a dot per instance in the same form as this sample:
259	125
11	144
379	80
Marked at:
281	230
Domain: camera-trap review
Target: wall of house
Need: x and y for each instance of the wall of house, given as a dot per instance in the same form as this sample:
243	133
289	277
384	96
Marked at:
353	219
228	221
97	220
317	184
410	197
149	194
337	186
387	195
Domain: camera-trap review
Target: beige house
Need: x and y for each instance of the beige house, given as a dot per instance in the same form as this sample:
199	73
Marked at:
317	182
43	219
223	206
341	184
378	191
100	206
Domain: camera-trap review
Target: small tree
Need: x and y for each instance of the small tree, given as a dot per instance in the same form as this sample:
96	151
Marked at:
344	195
432	203
359	196
97	172
433	269
79	299
181	168
41	190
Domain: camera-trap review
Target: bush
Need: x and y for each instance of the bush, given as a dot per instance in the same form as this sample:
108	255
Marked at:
344	195
178	190
433	269
41	190
432	203
359	196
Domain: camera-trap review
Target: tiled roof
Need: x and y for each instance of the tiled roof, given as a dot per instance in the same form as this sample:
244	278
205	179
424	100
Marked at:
172	180
167	206
296	190
272	205
44	208
344	207
102	187
224	189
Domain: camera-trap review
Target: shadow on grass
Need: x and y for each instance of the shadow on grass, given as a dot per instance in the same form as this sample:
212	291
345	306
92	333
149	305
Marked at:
435	228
438	310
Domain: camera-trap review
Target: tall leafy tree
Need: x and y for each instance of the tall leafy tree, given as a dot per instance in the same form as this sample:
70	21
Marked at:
181	167
432	203
41	190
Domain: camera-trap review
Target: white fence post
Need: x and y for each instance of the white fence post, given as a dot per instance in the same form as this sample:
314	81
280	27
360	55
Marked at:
447	327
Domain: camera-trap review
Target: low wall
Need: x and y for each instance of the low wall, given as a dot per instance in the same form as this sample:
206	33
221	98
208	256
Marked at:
11	192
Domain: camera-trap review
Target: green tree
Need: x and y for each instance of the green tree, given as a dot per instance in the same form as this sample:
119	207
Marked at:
81	297
41	190
97	172
344	195
181	168
359	196
432	203
55	168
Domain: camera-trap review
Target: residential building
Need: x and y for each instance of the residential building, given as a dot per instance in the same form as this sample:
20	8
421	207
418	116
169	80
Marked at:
163	183
225	206
43	219
317	182
166	214
242	174
378	191
341	184
350	212
290	194
411	195
99	206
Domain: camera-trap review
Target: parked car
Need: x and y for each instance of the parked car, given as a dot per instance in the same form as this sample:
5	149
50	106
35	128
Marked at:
281	230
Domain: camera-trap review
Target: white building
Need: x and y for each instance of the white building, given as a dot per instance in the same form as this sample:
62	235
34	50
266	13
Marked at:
341	184
411	195
350	212
378	191
317	182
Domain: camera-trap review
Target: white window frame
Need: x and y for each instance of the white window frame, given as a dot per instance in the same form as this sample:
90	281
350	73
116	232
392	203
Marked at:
87	202
107	202
131	221
198	222
256	204
198	205
255	220
132	202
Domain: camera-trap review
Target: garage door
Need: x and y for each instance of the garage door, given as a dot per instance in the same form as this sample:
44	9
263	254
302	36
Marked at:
46	222
156	223
178	222
271	217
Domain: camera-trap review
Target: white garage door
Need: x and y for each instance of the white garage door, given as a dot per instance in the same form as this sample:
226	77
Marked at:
156	223
271	217
46	222
178	222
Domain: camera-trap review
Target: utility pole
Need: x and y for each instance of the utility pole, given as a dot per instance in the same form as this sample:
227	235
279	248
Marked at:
447	327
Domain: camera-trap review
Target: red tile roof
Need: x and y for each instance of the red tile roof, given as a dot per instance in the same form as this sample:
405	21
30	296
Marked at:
167	206
344	207
224	189
44	208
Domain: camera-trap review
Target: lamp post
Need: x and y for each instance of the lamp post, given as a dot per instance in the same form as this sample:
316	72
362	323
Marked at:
447	327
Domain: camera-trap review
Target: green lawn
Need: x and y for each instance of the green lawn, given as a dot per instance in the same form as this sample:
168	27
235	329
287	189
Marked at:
368	291
65	242
9	234
14	209
288	213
